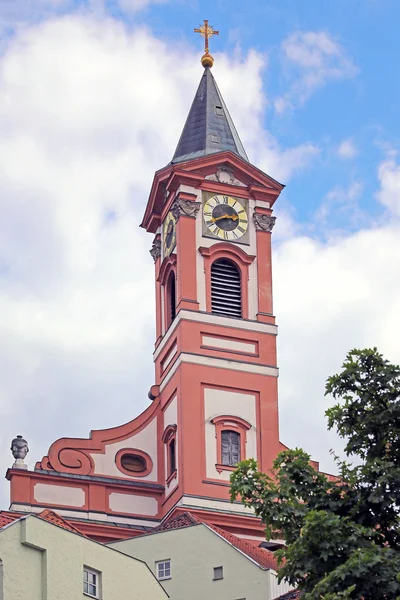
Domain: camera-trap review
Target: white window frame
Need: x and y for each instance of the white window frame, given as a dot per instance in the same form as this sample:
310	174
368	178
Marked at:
161	566
94	583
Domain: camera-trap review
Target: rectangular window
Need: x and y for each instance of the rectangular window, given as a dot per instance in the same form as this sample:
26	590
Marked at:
163	569
91	582
172	457
230	441
218	573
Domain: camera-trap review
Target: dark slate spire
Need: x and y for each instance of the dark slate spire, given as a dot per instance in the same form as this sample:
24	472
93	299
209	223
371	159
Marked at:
209	127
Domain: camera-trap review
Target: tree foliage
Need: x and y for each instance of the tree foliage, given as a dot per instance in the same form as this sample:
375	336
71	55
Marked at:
342	534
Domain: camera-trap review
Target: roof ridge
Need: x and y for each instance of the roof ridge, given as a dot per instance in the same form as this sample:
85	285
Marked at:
178	520
262	556
7	519
292	595
55	519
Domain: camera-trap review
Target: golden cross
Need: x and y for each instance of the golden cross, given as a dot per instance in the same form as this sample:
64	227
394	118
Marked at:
206	31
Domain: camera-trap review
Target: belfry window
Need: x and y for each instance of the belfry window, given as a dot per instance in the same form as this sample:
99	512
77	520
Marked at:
230	450
226	289
171	299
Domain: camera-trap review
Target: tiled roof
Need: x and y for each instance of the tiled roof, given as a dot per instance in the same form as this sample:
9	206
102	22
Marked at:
263	557
55	519
7	519
293	595
184	520
47	515
209	127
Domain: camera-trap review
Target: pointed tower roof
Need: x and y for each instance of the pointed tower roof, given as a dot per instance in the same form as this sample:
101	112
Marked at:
209	127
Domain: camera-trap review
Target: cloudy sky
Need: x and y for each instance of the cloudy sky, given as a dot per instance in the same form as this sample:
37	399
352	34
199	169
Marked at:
93	97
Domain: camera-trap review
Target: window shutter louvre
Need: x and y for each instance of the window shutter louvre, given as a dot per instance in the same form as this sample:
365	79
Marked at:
226	289
230	442
225	441
235	447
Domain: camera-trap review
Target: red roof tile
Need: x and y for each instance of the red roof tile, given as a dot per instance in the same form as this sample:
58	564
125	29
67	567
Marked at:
293	595
184	520
47	515
263	557
7	519
55	519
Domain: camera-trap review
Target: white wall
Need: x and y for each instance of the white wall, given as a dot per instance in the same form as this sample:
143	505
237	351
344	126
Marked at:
194	552
44	562
145	440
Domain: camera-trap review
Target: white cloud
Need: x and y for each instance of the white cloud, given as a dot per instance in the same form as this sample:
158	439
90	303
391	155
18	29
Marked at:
136	5
18	13
85	124
389	194
247	111
331	297
312	59
340	209
347	149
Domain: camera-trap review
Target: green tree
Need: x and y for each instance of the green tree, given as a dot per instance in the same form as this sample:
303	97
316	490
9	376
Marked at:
342	534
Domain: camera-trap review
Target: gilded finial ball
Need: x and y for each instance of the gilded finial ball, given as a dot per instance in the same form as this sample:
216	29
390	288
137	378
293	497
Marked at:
207	60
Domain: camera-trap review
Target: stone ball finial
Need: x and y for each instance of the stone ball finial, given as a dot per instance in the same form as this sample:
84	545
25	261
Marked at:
19	449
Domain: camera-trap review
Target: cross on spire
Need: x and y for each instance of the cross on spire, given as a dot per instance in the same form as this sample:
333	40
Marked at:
206	31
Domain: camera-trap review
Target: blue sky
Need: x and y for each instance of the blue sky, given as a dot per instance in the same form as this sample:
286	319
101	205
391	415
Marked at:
358	104
361	107
93	97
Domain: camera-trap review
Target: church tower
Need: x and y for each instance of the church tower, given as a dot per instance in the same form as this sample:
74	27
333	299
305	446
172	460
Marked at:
215	353
214	398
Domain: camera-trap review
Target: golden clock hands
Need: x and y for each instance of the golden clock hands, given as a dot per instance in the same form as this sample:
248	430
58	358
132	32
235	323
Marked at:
232	217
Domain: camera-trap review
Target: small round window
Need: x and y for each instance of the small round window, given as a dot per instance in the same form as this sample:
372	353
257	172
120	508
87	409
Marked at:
133	463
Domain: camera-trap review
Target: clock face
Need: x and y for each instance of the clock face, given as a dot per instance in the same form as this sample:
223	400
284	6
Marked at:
225	217
169	234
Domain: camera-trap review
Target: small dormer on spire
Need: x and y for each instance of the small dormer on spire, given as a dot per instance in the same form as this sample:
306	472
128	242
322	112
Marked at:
209	127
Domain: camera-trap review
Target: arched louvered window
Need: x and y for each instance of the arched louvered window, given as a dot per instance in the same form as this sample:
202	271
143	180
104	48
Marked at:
171	299
230	441
226	290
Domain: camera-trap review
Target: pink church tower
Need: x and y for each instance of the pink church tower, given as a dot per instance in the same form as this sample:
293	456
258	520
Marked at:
214	399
